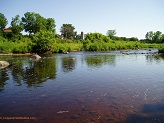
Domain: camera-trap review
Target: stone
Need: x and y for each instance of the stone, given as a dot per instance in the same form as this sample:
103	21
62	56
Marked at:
4	64
35	57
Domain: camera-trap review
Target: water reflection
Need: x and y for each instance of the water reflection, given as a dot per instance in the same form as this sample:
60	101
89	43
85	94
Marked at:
131	91
157	58
68	64
39	72
3	78
32	73
100	60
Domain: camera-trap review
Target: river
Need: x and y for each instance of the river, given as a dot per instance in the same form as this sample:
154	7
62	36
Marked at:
83	87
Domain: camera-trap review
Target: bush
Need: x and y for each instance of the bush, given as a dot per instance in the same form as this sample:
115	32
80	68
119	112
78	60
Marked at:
161	49
97	37
43	41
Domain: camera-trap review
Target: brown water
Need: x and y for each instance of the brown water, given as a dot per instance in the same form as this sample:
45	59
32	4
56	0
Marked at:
83	87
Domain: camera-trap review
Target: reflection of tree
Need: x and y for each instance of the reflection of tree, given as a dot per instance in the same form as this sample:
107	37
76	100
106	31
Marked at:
17	70
68	64
157	59
3	78
31	72
100	60
39	72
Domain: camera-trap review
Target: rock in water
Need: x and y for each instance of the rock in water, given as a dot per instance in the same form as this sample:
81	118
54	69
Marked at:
35	57
4	64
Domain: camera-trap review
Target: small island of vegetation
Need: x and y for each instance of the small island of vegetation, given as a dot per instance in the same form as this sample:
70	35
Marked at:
41	37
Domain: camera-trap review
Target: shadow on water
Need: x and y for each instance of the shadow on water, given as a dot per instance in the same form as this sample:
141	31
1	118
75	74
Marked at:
150	113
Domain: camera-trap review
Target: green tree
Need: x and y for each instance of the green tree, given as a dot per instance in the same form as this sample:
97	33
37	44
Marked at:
111	33
50	25
162	39
67	31
3	23
149	36
33	22
16	25
43	41
93	37
157	37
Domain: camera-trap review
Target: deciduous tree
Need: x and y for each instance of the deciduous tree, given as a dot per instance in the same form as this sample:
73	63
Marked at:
34	22
3	23
16	25
149	35
111	33
67	31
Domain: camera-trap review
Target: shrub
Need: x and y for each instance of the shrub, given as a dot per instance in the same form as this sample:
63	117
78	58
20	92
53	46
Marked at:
42	41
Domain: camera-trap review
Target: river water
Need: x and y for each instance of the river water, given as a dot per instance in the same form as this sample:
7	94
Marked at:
83	87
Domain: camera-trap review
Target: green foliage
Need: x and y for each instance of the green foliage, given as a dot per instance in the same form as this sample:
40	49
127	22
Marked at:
42	37
154	37
3	21
16	25
43	41
20	46
34	22
67	31
161	49
149	35
116	38
97	37
66	47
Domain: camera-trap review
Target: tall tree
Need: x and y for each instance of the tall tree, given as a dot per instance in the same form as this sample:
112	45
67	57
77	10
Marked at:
67	31
154	37
157	37
149	35
34	22
50	26
3	21
162	39
16	25
111	33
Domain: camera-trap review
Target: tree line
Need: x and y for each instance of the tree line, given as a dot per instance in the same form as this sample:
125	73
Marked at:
41	37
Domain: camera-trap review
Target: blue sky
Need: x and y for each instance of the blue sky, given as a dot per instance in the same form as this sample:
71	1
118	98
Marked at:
130	18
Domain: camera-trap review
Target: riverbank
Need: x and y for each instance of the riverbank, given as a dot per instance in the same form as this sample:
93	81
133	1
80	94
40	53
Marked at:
21	54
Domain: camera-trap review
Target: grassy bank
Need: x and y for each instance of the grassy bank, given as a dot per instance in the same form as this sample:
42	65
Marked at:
26	45
119	45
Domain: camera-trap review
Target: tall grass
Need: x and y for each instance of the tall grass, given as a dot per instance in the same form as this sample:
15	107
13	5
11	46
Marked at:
117	45
66	47
16	47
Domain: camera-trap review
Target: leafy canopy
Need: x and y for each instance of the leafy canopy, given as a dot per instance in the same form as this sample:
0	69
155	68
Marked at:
43	41
16	25
97	37
34	22
3	21
67	31
155	37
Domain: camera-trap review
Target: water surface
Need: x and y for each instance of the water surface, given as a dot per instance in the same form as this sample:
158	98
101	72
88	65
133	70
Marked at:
83	87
